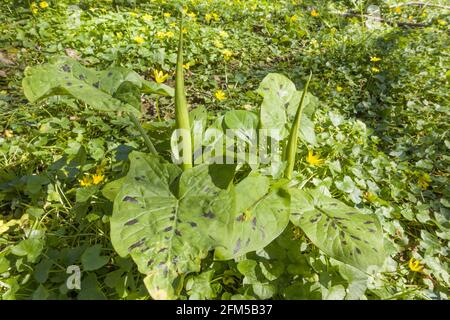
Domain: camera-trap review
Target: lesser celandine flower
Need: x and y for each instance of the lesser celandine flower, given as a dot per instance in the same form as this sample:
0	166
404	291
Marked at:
34	8
8	133
375	69
86	181
97	178
160	34
167	15
227	54
147	17
218	44
43	4
397	10
160	76
139	40
220	95
414	265
93	179
375	59
339	88
211	16
313	159
314	13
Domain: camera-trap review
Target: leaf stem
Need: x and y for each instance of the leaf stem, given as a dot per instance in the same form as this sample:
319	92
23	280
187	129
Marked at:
144	135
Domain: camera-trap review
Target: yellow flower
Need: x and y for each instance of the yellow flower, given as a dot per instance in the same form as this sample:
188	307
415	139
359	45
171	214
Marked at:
218	44
414	265
397	9
208	17
220	95
314	13
159	76
410	18
211	16
187	65
223	34
43	4
167	15
133	14
339	88
86	181
227	54
184	30
139	40
191	15
34	8
97	178
375	69
442	22
424	181
8	133
313	159
147	17
375	59
293	18
160	34
170	34
119	35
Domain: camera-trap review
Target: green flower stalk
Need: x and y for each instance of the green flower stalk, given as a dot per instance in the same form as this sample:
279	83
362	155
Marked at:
181	106
291	148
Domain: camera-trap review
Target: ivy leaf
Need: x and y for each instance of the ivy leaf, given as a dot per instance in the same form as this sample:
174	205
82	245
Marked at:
92	260
42	269
41	293
31	248
200	287
168	222
114	89
90	289
342	232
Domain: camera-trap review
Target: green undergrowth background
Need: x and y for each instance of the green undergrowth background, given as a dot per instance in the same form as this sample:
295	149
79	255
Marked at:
382	130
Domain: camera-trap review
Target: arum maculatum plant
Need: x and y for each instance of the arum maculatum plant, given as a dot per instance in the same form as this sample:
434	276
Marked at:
169	217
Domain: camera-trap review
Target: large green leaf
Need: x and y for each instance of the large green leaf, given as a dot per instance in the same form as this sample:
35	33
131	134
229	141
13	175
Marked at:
280	104
277	90
243	123
168	225
261	215
113	89
342	232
